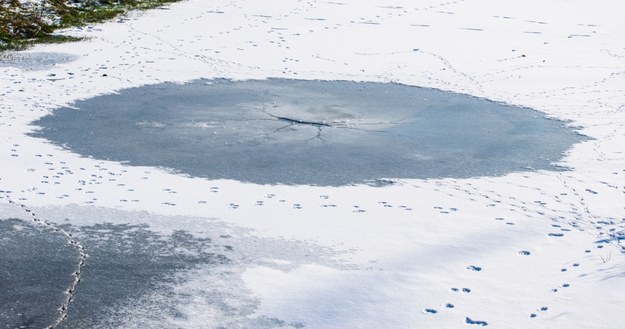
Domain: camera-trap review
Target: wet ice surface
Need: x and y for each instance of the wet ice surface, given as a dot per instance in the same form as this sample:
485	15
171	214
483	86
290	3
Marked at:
33	61
126	261
35	272
139	277
309	132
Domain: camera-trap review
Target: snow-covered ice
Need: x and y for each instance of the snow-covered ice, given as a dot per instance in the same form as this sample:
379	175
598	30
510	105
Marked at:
535	249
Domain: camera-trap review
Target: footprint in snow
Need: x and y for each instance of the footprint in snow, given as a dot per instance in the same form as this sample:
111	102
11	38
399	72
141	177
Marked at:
468	320
542	309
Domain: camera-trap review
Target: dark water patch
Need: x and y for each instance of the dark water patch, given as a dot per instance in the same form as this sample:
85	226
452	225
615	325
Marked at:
36	267
280	131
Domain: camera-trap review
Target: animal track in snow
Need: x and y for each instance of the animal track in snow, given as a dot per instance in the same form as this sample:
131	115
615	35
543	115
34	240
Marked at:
431	311
82	256
474	268
468	320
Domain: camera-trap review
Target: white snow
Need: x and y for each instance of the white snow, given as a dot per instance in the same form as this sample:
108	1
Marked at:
403	247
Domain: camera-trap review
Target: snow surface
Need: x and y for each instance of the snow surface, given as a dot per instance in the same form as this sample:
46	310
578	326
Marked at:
392	255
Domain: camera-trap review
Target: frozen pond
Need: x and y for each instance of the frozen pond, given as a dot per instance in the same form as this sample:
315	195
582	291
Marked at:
281	131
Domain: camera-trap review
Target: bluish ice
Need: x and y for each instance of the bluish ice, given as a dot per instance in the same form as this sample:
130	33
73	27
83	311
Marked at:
310	132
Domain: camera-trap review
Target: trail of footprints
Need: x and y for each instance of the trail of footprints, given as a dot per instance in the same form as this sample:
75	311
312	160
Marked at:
450	306
536	208
82	256
578	216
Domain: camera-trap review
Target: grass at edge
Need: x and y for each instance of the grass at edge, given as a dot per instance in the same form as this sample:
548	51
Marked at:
69	17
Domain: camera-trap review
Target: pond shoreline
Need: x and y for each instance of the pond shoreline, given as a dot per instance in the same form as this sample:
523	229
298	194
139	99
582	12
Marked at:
26	22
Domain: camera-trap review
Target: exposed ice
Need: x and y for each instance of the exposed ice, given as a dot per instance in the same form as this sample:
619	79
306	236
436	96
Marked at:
302	132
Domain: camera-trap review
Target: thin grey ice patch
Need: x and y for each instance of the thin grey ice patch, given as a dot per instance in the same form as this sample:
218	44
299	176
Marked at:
34	61
329	133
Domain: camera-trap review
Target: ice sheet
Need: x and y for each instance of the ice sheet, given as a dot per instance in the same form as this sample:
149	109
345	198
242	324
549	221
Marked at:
547	242
298	132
